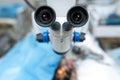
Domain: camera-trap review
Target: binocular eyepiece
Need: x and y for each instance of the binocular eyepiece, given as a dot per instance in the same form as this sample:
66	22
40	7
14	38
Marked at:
45	16
61	32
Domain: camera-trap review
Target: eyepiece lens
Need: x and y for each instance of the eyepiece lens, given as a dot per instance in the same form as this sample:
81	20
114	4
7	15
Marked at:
76	17
46	16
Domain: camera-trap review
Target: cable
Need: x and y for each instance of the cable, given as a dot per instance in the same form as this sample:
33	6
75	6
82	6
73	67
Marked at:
30	5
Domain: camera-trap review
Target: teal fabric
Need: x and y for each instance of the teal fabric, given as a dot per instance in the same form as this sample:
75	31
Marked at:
29	60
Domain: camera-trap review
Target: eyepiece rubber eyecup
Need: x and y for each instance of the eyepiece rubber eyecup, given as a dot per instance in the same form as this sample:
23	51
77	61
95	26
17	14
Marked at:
45	16
77	16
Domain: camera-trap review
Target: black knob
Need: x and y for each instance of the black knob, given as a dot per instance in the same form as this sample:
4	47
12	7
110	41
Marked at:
66	26
56	26
76	50
82	37
39	37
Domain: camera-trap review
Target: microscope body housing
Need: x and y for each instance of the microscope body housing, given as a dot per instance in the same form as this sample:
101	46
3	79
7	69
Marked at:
50	24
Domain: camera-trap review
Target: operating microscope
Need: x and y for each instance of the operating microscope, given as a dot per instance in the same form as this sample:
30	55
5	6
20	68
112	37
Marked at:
57	29
62	23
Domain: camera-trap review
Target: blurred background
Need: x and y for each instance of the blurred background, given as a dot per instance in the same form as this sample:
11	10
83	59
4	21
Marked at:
103	30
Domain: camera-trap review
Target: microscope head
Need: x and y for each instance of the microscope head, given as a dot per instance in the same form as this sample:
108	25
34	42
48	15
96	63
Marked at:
60	25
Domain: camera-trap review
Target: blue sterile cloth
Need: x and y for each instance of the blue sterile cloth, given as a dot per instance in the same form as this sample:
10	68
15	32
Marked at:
29	60
115	53
9	10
